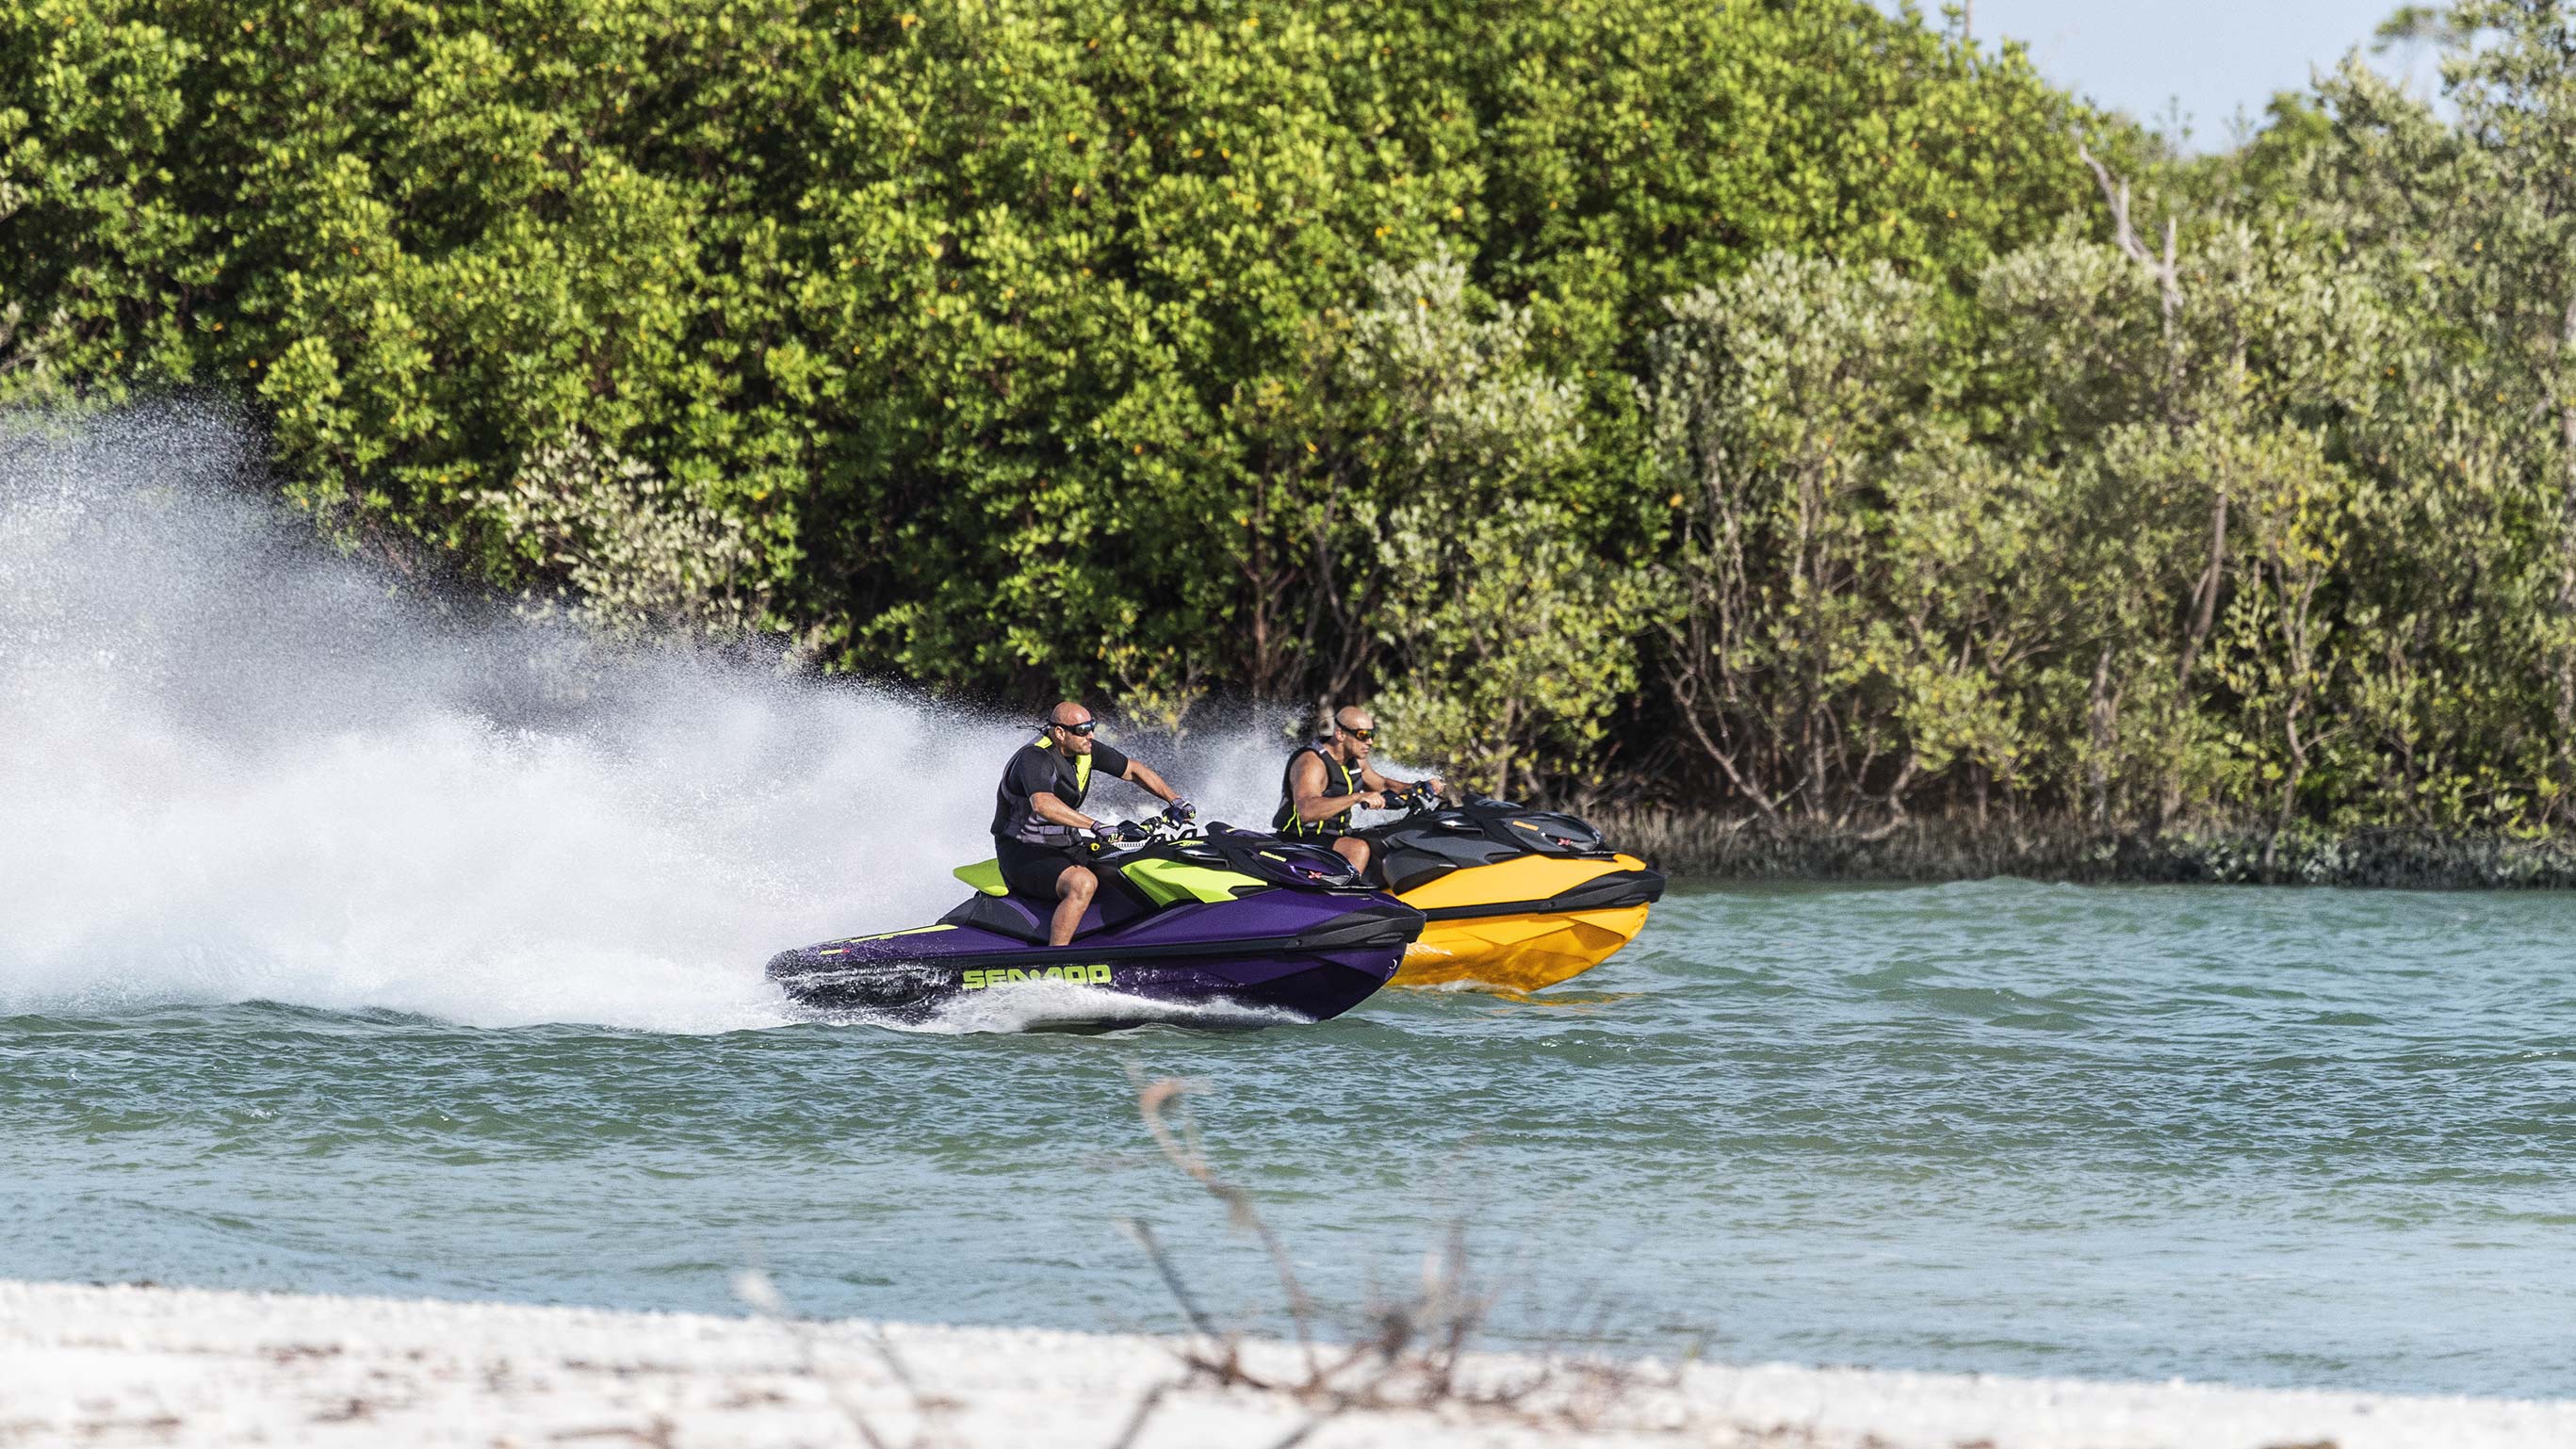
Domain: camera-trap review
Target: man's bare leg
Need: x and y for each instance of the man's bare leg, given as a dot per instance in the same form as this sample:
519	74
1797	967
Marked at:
1073	891
1354	851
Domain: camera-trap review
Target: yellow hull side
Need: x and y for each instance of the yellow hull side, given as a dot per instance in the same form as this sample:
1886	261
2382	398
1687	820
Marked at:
1516	952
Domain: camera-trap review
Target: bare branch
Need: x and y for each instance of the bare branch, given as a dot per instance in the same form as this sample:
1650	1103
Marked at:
1145	1407
1143	1233
1238	1203
755	1289
1415	1354
1726	761
2166	271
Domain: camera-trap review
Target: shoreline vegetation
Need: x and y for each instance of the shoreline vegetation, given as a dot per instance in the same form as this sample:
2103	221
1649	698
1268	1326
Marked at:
1929	850
118	1365
1794	411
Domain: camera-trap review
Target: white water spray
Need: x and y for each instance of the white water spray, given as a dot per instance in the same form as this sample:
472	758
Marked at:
234	766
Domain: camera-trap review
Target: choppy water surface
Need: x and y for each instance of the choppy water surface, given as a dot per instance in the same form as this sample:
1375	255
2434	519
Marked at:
2285	1137
353	943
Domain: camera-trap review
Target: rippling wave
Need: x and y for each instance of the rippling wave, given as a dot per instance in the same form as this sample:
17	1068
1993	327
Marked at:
350	944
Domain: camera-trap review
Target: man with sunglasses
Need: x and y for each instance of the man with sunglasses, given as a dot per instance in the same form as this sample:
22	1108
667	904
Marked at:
1329	779
1040	834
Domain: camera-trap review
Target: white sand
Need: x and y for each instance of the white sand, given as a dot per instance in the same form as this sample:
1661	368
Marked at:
115	1366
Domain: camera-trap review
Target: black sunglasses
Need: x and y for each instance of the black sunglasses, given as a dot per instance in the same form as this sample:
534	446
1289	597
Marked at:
1084	728
1359	734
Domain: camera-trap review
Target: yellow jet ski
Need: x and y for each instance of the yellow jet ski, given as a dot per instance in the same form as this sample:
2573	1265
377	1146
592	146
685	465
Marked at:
1511	899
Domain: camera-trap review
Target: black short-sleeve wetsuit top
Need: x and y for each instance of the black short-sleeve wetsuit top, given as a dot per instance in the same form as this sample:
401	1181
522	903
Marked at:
1039	768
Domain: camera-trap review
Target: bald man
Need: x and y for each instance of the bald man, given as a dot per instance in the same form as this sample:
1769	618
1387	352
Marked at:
1039	829
1329	779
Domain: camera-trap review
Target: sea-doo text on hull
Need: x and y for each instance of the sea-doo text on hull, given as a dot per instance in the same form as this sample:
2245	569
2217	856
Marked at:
1225	920
1511	898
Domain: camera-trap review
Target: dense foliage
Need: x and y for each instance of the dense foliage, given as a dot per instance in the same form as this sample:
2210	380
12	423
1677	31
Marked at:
1777	407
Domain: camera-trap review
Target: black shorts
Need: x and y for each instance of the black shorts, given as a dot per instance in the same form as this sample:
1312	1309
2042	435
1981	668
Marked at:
1031	870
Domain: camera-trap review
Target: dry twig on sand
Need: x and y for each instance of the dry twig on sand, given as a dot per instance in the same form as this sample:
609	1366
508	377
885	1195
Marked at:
1415	1351
756	1290
1183	1152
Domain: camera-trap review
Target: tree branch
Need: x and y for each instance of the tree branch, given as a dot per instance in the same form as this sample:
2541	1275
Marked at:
2165	270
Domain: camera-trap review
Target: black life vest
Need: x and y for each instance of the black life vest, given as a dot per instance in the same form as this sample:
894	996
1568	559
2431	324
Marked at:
1016	818
1286	821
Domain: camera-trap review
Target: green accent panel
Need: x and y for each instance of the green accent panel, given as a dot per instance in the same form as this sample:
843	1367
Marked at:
1167	882
983	875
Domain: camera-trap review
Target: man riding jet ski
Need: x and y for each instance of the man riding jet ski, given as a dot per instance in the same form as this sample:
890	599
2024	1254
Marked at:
1511	898
1039	830
1139	914
1330	778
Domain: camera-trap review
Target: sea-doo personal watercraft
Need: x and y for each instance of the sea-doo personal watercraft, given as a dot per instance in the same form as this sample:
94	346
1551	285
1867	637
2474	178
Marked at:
1225	919
1511	898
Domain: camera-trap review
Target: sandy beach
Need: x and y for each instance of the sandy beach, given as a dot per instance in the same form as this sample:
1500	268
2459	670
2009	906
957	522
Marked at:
145	1365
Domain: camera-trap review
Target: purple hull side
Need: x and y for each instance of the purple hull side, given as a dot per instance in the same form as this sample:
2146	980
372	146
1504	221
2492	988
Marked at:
1312	954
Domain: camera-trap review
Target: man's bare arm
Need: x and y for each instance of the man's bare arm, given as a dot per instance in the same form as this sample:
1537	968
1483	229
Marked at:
1382	783
1314	806
1142	776
1056	812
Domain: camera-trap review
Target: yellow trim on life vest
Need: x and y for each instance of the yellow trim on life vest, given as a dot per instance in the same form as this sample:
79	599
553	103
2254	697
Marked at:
1298	824
1081	765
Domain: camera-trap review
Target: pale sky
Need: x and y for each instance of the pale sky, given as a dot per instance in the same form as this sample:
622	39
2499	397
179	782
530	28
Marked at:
2214	55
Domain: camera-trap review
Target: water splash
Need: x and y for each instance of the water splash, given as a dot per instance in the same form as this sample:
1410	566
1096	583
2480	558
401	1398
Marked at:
235	765
1063	1006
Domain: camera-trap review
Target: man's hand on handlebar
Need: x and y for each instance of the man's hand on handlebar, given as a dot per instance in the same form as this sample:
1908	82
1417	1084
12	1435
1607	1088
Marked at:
1180	812
1119	832
1371	799
1413	795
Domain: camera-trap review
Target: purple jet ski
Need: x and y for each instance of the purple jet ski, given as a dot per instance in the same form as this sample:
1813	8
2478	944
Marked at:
1225	919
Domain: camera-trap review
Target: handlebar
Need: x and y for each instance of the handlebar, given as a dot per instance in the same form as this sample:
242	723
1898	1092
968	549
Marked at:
1158	830
1416	801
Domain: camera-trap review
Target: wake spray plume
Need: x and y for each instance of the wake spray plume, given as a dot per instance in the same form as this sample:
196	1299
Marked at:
237	766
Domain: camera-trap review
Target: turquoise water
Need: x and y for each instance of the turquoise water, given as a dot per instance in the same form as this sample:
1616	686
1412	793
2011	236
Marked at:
2270	1137
354	942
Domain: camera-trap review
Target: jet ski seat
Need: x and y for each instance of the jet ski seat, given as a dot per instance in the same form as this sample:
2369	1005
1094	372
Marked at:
995	908
1219	866
1014	916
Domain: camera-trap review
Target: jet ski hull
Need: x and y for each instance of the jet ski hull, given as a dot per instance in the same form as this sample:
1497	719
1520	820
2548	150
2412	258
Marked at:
1526	924
1307	957
1513	899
